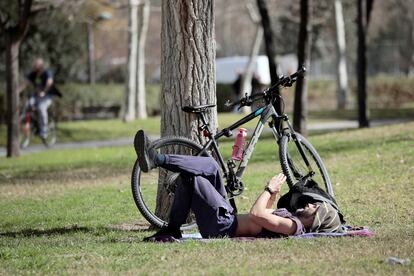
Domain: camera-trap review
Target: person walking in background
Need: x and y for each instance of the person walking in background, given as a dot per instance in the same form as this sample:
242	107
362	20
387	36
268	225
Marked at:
44	90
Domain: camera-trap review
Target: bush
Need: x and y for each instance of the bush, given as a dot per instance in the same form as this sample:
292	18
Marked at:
390	92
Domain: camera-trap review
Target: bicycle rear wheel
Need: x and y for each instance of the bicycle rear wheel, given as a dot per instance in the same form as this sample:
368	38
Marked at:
25	130
153	192
293	164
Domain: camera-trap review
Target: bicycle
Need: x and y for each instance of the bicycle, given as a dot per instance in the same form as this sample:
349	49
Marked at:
299	159
29	125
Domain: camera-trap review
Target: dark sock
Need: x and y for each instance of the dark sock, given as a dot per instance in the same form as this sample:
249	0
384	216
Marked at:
159	159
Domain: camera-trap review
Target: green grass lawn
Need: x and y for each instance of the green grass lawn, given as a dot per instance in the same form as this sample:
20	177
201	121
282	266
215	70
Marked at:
71	212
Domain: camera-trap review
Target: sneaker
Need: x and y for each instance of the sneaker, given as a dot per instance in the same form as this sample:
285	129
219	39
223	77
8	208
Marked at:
146	155
164	234
44	140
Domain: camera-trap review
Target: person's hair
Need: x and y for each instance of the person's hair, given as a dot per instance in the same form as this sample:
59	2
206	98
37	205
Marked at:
304	213
38	61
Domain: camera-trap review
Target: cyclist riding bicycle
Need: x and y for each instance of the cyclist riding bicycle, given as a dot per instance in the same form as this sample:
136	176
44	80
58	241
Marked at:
201	190
42	98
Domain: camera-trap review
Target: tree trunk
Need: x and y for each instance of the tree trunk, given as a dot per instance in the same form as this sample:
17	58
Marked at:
91	52
143	17
300	111
362	65
12	80
342	74
270	47
246	81
131	87
187	69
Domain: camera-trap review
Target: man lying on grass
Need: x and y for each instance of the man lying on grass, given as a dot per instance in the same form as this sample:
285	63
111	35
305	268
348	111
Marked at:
201	190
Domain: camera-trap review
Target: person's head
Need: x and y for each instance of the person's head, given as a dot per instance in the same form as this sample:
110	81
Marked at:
320	217
38	64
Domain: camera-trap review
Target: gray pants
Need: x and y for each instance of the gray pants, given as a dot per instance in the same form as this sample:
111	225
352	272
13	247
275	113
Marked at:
42	105
201	189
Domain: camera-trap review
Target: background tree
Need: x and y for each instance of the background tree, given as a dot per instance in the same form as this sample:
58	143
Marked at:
14	25
247	76
143	18
187	67
131	85
300	108
364	8
269	46
135	104
342	73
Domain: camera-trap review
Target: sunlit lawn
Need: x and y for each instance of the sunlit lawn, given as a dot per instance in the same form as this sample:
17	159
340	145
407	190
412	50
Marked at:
71	212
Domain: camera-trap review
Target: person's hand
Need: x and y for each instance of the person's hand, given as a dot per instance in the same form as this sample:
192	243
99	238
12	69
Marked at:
42	94
276	182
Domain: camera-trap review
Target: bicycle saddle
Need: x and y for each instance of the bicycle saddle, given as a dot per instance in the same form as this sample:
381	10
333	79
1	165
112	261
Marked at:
197	109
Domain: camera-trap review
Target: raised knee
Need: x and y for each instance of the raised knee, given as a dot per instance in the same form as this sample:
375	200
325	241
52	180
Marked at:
214	163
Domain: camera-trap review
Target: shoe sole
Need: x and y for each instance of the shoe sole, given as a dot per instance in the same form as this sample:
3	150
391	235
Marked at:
139	145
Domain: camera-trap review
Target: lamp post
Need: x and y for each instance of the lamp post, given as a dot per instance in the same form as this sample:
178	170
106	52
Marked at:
90	23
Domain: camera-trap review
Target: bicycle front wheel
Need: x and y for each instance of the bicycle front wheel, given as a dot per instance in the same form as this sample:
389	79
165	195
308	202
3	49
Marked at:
153	192
52	132
294	166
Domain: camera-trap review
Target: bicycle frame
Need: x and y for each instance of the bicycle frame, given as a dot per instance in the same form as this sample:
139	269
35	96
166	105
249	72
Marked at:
266	113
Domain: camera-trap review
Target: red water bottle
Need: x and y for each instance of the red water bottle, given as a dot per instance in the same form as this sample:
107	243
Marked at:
238	148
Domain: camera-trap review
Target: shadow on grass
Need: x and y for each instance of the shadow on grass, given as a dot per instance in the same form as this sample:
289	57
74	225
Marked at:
68	135
73	229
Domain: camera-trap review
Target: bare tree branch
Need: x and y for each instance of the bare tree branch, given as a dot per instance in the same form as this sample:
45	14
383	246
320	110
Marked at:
24	13
253	13
370	4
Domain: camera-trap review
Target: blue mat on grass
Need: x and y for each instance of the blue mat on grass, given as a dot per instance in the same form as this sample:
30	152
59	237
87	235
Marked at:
348	232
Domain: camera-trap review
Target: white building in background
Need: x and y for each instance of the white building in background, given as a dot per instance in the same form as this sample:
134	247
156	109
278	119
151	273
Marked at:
228	68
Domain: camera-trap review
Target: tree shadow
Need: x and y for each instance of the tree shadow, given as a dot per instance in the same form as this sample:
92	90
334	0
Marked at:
71	229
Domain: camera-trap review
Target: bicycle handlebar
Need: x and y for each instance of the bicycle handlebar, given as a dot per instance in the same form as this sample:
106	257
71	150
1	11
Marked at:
285	81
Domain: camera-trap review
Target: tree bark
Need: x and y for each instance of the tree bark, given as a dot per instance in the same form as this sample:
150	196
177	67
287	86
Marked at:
300	111
187	69
12	80
131	87
14	35
362	16
143	17
187	65
270	47
342	74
